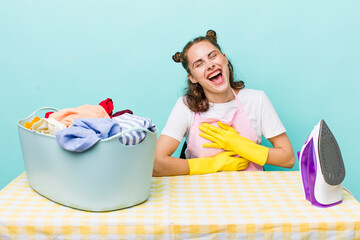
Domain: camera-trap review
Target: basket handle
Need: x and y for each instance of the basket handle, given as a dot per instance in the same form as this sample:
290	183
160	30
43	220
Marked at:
40	109
134	129
129	130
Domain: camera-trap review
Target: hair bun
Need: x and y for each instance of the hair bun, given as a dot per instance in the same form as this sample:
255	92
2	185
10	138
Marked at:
212	35
177	57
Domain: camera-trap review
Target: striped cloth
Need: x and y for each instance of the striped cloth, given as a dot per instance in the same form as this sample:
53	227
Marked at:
224	205
129	121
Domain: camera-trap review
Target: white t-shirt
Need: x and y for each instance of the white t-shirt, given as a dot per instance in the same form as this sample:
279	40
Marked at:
256	104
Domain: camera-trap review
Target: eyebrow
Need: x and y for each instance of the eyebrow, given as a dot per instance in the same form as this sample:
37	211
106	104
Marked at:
193	65
212	52
199	60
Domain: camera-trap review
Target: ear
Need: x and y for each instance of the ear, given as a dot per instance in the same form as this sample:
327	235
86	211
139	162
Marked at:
193	80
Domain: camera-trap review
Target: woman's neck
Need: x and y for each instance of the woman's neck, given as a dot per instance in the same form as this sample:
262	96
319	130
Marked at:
221	97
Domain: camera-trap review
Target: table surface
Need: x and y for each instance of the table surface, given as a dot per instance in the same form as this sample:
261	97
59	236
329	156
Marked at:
233	205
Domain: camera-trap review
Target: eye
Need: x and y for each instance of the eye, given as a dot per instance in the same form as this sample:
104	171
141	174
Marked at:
213	55
199	64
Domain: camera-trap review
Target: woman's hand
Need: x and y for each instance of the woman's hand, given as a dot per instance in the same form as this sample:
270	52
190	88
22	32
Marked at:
224	161
166	165
227	138
220	137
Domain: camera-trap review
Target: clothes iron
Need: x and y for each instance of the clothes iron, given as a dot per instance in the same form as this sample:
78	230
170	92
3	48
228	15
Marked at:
322	167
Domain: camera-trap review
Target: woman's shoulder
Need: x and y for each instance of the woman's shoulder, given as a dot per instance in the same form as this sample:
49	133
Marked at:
181	102
181	106
247	94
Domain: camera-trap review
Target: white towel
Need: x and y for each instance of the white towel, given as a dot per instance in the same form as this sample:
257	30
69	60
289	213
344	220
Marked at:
48	126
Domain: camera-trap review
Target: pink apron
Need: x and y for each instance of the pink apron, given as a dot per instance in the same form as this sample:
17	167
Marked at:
239	122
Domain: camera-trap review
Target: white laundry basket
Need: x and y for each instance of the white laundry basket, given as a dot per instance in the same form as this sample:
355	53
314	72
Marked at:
108	176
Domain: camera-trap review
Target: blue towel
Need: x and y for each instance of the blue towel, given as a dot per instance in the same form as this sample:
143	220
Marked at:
85	133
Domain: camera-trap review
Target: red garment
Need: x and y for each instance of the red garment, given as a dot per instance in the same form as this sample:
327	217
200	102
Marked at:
108	106
122	112
47	114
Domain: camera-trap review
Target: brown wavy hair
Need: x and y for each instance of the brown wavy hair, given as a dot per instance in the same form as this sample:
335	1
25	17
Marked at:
195	97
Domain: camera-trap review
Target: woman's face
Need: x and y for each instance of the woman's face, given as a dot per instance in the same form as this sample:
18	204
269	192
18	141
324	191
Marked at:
209	67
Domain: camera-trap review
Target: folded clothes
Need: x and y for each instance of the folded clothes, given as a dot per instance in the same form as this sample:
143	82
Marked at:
48	126
85	133
129	121
68	115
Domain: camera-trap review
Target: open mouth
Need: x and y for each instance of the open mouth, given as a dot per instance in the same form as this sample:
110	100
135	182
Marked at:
216	78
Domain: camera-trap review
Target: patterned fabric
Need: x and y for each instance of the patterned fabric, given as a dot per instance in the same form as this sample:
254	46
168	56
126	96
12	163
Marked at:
129	121
225	205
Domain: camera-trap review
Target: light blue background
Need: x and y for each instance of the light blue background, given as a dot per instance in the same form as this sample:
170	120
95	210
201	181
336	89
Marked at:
304	54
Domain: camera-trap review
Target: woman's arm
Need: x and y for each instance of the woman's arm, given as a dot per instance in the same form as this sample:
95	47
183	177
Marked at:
227	138
282	153
165	164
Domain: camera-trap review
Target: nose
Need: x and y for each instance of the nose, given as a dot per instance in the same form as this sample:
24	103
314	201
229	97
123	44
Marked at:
210	65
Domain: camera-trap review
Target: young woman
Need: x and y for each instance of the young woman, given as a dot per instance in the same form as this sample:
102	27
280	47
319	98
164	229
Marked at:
222	121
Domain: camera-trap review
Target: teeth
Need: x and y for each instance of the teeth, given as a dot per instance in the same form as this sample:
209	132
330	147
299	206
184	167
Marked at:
213	75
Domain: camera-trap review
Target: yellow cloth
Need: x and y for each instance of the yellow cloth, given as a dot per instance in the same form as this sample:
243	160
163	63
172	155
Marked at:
68	115
223	161
232	205
227	138
29	125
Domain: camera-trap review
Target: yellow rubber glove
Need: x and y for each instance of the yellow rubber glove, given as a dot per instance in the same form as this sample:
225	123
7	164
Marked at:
227	138
223	161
